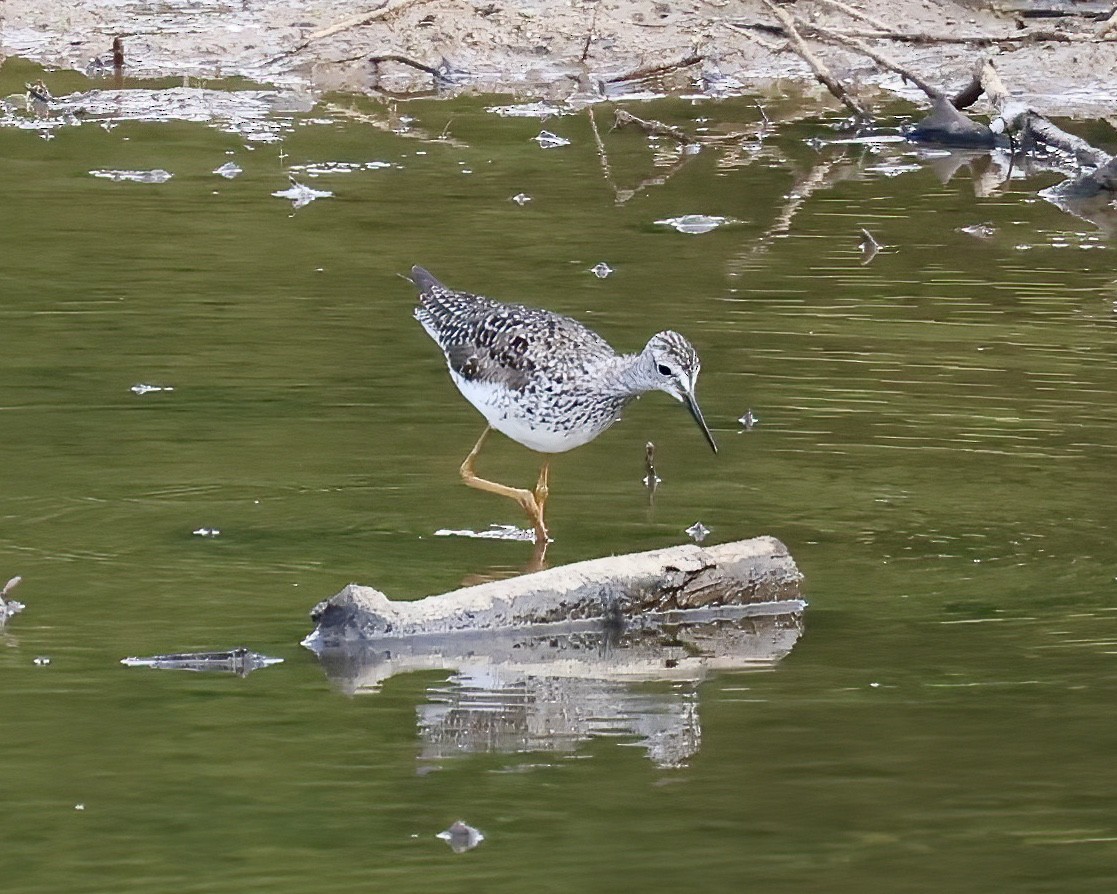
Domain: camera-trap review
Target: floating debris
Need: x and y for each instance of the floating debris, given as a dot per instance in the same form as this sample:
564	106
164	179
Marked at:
601	270
979	231
229	170
521	199
748	420
156	176
548	140
9	586
301	195
240	661
529	110
461	837
695	224
698	532
869	247
9	607
79	806
142	389
495	532
893	169
38	93
41	661
207	532
317	169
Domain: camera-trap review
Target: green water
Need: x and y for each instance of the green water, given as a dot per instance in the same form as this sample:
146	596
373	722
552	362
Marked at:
935	445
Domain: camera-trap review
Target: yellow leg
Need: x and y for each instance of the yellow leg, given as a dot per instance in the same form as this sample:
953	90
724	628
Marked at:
542	491
528	500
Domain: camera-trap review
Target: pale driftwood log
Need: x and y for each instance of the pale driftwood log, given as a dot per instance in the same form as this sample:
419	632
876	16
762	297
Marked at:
615	589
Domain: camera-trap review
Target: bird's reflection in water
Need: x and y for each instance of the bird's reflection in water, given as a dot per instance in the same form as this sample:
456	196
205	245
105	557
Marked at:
551	690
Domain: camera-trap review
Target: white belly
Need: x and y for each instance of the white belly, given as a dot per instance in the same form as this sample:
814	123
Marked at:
496	405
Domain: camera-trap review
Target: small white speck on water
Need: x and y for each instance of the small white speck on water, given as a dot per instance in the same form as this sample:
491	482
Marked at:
207	532
229	170
548	140
461	837
142	389
521	199
301	195
41	661
698	532
156	176
79	807
874	685
601	270
695	224
748	420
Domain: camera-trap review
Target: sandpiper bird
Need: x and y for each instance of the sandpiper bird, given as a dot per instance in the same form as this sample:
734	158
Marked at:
545	380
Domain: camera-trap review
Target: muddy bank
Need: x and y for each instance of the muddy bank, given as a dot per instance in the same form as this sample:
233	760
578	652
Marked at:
558	48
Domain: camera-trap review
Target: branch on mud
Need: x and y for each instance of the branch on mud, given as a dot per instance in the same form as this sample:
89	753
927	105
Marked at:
404	60
356	21
926	38
860	16
642	74
817	66
879	58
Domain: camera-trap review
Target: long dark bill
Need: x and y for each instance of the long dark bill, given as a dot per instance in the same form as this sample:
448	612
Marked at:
692	405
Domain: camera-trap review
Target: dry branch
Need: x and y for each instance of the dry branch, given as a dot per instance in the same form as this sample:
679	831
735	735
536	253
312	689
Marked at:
878	57
859	15
404	60
821	72
652	127
356	21
928	38
642	74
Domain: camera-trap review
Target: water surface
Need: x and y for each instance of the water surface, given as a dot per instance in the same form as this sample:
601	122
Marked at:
935	445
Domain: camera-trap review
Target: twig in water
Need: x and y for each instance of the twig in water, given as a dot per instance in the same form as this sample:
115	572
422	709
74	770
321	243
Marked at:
651	479
601	153
652	127
869	247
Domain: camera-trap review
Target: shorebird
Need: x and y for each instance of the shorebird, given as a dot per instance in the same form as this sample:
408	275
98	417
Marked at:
545	380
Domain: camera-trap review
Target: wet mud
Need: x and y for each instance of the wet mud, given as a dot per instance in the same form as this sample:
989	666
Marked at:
1060	64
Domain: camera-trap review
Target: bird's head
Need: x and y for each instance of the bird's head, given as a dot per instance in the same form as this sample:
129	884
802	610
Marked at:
673	365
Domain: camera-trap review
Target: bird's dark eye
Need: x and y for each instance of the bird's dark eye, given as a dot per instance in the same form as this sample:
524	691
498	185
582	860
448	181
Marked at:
663	369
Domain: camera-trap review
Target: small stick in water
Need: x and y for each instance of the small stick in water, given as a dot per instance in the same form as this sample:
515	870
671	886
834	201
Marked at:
651	480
